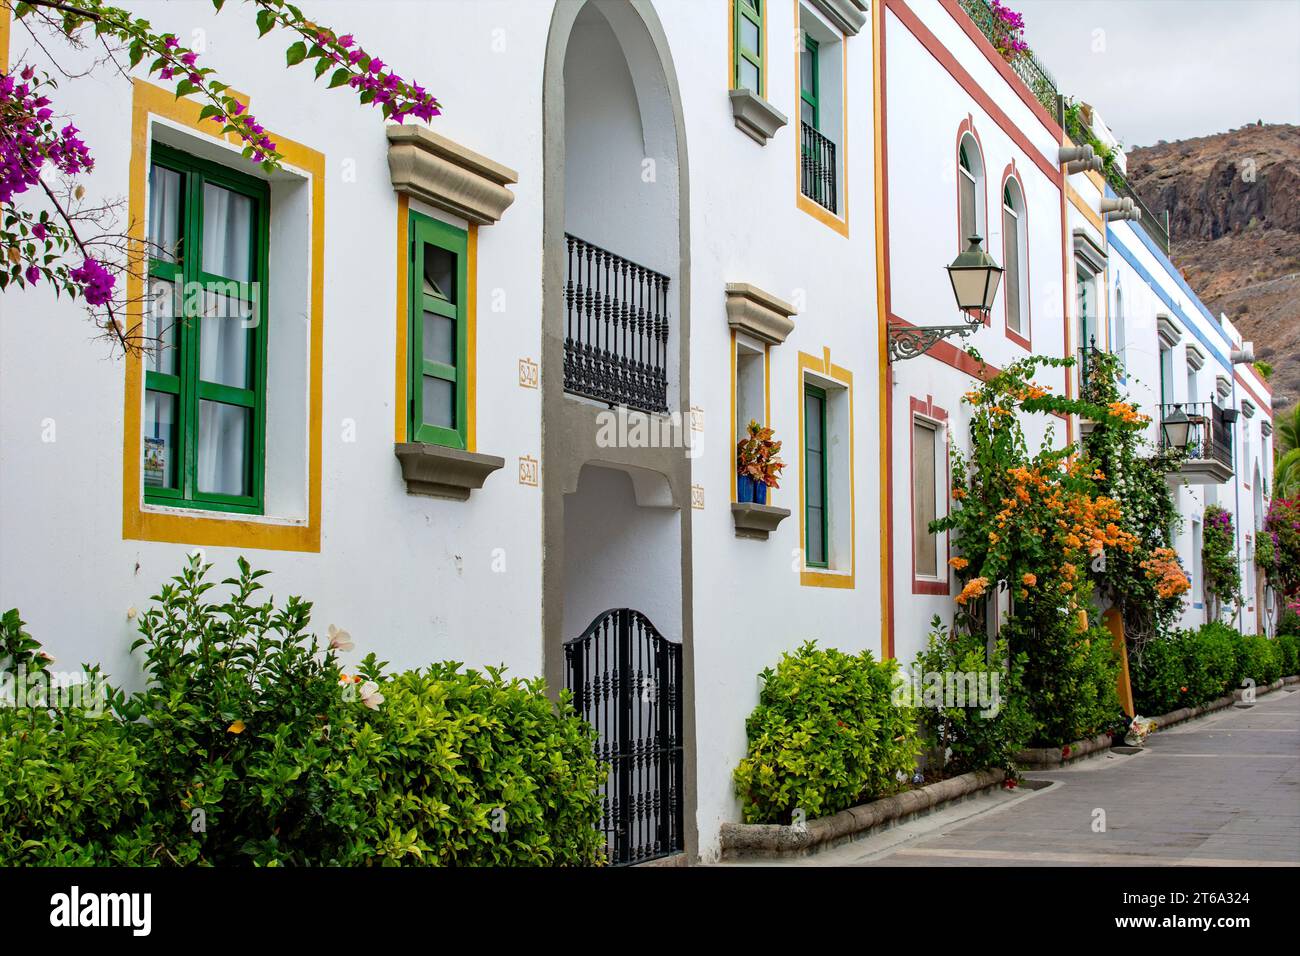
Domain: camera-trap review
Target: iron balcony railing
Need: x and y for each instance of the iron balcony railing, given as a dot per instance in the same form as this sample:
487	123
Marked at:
1209	437
818	168
616	329
1032	73
1156	227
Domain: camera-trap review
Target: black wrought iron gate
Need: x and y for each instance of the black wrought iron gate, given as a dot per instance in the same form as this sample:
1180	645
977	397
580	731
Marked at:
626	680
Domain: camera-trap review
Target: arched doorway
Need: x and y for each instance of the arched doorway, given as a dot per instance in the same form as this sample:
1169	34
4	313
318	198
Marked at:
617	516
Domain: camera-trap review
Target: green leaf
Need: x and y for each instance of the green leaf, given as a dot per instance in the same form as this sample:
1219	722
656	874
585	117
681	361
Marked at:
265	22
321	66
209	110
340	77
296	53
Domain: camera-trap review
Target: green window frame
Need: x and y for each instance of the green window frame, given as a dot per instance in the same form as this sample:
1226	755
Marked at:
808	95
748	15
438	332
816	549
205	388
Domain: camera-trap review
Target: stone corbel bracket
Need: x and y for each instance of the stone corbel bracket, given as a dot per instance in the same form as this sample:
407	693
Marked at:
759	313
436	170
755	117
847	15
756	521
438	472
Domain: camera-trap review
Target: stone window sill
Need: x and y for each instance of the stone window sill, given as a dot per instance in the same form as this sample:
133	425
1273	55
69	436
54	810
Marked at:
756	521
437	472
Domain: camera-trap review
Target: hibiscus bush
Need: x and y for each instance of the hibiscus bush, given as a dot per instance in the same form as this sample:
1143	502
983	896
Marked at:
826	735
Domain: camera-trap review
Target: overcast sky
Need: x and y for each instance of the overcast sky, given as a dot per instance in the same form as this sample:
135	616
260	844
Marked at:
1171	69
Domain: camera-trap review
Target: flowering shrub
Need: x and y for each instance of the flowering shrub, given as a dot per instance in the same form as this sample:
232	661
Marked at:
825	735
59	247
1189	668
1219	558
1009	38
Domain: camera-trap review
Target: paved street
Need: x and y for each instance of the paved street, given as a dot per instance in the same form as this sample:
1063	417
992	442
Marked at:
1223	790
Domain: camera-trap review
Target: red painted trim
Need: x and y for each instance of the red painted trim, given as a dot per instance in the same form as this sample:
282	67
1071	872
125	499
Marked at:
1024	341
993	56
1259	402
941	53
938	416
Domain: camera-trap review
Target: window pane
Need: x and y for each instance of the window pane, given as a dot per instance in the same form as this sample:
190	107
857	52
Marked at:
160	328
815	477
925	543
439	273
439	402
808	115
227	230
223	449
807	71
1011	281
813	421
749	35
224	339
159	440
748	75
439	338
968	226
164	212
816	536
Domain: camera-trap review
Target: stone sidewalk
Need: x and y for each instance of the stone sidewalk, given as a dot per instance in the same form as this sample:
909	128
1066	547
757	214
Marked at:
1222	790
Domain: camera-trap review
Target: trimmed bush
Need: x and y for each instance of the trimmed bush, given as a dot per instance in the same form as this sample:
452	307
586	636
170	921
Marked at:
1260	660
826	735
973	737
250	747
474	769
1288	646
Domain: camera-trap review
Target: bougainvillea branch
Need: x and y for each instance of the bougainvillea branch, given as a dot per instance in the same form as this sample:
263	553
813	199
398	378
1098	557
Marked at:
47	245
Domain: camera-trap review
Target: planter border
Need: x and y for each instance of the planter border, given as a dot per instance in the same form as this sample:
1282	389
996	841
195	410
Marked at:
742	841
1047	758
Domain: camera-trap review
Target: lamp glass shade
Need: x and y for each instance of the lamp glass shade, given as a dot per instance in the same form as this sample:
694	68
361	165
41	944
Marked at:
1176	426
975	277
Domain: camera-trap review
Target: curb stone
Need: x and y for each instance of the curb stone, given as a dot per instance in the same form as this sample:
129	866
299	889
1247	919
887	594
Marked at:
758	840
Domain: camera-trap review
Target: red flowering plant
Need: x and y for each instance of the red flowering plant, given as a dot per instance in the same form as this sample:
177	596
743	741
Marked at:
71	244
756	455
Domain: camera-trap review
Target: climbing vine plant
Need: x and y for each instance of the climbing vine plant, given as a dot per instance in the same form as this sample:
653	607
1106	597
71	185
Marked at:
1145	582
1219	560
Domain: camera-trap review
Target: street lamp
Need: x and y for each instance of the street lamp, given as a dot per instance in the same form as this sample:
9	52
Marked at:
975	277
1176	426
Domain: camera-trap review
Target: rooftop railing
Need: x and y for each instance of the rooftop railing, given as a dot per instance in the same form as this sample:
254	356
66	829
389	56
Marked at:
1031	72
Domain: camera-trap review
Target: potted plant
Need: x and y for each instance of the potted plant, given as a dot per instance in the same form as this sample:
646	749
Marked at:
757	465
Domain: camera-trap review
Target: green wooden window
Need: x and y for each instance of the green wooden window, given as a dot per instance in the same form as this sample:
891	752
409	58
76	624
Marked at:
808	83
749	45
814	470
204	431
437	337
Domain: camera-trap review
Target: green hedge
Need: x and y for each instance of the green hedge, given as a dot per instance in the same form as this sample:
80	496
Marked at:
825	735
1189	668
251	747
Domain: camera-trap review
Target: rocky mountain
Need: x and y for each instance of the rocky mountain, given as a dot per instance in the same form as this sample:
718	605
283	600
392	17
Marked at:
1234	220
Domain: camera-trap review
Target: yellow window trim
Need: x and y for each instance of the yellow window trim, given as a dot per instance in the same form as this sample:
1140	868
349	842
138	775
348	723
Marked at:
400	395
816	578
1088	212
767	411
822	215
882	339
4	39
209	529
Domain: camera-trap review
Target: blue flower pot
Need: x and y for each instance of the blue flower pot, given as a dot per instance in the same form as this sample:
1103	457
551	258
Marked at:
760	493
745	488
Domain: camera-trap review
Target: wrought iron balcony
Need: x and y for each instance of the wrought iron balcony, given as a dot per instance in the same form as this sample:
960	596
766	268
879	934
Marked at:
1032	73
616	329
1208	456
818	180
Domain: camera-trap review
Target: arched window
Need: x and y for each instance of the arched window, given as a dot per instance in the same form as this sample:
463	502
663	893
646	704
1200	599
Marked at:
970	185
1015	256
1121	333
